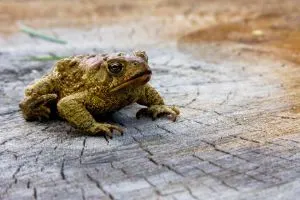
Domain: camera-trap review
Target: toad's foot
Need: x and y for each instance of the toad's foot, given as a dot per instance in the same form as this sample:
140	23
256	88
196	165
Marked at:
156	111
106	129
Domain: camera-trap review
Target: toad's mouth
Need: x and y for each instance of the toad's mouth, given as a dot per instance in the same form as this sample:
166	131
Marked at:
138	79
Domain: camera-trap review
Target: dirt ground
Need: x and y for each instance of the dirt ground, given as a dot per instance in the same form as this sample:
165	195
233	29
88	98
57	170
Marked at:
233	68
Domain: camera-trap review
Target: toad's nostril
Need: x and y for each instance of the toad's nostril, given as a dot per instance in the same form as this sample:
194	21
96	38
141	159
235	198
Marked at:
147	71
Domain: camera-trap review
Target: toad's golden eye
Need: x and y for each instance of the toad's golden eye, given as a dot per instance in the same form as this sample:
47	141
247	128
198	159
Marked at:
135	63
115	68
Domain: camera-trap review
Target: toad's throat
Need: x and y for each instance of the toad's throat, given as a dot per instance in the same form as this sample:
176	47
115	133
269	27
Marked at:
138	79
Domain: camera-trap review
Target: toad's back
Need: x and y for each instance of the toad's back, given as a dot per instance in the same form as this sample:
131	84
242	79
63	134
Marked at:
68	75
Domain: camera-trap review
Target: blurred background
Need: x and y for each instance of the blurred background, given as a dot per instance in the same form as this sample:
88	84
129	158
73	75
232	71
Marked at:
271	24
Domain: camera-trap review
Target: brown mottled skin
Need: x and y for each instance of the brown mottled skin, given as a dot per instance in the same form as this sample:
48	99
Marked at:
81	87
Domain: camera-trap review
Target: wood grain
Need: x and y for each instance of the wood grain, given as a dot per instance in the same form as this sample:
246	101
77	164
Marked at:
238	136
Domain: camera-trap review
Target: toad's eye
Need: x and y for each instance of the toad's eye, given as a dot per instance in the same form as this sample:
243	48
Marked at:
135	63
115	68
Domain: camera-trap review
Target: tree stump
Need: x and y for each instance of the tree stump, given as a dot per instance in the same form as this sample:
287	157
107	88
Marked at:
238	135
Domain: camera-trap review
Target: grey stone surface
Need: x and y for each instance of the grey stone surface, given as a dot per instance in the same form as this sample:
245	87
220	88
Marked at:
235	139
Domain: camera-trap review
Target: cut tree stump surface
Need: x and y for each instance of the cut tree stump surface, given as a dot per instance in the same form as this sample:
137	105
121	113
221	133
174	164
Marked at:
238	135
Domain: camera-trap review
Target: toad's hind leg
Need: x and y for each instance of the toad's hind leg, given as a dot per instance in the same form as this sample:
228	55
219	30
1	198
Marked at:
37	108
39	99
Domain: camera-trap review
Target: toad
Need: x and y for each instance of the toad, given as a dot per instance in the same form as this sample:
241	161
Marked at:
79	88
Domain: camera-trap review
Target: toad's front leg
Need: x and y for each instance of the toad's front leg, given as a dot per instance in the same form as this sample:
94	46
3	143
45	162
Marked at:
73	109
156	107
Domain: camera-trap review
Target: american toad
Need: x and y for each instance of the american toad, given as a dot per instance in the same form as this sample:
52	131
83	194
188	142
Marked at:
80	87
